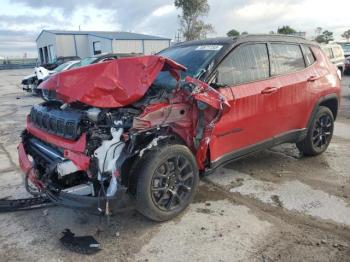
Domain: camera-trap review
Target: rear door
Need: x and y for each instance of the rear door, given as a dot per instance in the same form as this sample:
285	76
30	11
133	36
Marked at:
252	95
288	68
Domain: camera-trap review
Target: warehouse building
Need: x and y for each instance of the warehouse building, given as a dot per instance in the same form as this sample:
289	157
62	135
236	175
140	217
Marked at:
56	43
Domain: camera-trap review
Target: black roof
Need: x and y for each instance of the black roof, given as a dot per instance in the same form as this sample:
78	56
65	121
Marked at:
250	38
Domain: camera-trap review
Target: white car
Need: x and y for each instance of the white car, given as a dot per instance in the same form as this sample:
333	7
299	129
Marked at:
31	82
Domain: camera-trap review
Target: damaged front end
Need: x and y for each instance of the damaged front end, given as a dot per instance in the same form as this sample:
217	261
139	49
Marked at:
79	150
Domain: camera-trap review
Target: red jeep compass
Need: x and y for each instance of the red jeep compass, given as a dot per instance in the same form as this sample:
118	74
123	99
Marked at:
150	125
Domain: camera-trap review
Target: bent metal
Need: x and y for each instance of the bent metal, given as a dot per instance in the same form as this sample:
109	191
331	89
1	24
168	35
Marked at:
116	127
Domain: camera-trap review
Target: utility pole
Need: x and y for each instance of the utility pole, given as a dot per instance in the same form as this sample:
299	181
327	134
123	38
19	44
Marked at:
177	37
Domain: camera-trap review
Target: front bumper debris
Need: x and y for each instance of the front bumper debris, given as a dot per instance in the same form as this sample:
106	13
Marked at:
83	245
11	205
71	200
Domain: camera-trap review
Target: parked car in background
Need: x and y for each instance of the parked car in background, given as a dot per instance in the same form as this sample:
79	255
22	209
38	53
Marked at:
44	75
28	82
150	125
31	82
335	53
51	95
346	48
347	66
59	61
103	57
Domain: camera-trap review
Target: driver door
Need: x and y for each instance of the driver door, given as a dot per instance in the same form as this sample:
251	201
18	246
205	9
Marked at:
251	120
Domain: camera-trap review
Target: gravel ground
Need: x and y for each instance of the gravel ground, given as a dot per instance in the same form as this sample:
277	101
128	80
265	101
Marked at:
271	206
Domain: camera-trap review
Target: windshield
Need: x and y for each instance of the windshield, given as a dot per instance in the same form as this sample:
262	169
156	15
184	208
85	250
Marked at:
61	67
87	61
346	48
194	57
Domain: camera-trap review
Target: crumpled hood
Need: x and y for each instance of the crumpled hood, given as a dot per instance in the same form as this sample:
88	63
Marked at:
110	84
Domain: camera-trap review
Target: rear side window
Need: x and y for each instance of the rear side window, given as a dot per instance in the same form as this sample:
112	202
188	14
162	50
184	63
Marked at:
309	56
246	63
286	58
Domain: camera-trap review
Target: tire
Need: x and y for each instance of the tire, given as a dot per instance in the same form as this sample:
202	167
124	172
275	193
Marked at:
36	92
45	95
31	188
162	190
319	134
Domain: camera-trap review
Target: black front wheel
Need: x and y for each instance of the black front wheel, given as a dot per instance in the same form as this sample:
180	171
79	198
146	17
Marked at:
319	134
167	180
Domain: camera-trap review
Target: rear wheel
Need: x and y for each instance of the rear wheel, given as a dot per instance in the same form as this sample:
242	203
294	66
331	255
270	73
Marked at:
319	134
167	179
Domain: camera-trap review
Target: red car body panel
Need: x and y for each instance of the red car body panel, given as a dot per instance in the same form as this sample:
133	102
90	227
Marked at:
182	116
77	146
73	150
27	167
235	117
256	116
111	84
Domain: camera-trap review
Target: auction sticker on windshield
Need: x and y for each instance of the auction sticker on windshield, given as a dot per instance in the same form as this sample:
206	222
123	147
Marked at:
209	47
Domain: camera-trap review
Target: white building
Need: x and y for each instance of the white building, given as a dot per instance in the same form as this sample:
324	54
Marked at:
56	43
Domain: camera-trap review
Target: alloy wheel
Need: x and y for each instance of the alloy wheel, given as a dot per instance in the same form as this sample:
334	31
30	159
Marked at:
322	132
172	183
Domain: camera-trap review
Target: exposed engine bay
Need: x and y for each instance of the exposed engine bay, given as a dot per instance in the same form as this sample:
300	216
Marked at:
78	149
103	130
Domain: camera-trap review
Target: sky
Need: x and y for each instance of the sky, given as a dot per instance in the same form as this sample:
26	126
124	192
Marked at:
22	20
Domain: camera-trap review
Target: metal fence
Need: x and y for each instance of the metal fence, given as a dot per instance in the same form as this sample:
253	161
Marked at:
17	63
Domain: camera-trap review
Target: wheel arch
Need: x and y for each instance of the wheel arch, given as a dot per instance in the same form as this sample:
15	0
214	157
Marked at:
170	137
330	101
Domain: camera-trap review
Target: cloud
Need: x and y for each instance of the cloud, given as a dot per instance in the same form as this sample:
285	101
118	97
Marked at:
31	22
14	43
164	10
160	17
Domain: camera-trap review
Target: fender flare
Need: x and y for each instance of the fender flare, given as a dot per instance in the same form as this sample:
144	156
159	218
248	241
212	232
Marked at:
318	103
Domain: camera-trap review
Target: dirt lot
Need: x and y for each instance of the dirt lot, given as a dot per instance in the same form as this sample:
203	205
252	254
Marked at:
270	206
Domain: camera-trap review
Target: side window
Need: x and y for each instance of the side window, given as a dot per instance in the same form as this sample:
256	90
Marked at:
97	48
286	58
244	64
309	56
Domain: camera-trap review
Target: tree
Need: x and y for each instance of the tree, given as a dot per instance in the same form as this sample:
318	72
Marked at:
318	31
232	33
325	37
346	35
286	30
192	27
320	39
244	33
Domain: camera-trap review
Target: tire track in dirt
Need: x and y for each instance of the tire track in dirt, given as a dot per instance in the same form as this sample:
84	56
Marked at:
276	215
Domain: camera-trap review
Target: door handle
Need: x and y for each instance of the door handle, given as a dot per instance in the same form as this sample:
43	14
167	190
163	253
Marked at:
312	78
269	90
